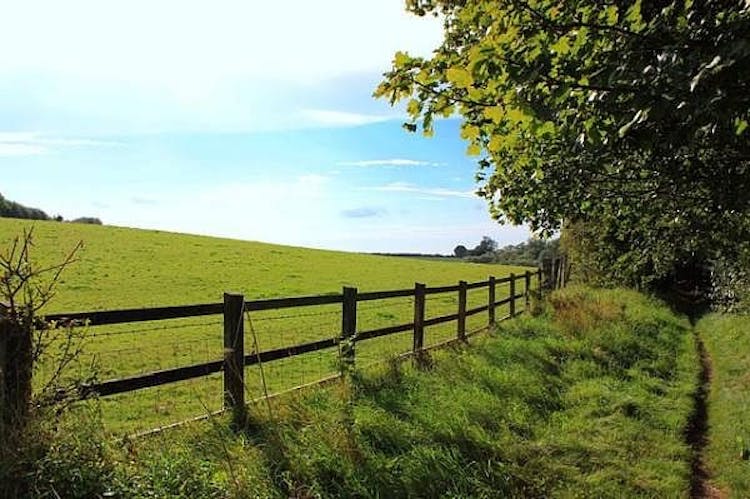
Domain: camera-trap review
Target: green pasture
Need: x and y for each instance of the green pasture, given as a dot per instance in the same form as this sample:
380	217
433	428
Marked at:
130	268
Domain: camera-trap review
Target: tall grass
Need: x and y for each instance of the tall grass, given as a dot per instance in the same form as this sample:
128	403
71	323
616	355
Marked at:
589	399
727	340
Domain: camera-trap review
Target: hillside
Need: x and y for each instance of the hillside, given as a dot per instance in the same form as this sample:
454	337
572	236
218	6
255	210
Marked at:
130	268
122	267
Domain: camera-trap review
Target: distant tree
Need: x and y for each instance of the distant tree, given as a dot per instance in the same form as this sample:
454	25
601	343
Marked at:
87	220
460	251
11	209
531	253
485	246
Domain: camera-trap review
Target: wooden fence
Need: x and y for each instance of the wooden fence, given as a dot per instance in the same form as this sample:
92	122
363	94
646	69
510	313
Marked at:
234	308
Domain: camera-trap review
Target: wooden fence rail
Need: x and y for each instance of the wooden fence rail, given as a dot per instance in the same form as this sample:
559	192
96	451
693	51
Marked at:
235	307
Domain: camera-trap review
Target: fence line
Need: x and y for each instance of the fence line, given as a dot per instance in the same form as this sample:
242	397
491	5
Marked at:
235	307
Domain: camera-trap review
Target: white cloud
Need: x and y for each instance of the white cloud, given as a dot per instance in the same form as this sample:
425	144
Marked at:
425	191
210	41
143	66
33	144
389	162
332	118
19	149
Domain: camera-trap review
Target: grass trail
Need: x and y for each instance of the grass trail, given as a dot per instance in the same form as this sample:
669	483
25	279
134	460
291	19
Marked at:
727	341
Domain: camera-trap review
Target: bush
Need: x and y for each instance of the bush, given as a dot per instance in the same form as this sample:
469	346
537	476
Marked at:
87	220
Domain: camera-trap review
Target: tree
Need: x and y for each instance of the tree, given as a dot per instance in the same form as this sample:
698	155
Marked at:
12	209
628	117
486	246
460	251
87	220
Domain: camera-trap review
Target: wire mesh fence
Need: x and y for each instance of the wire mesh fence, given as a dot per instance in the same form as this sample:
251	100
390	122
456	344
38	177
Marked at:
136	350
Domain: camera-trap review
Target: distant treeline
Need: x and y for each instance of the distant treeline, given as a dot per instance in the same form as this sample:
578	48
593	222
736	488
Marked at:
11	209
528	254
415	255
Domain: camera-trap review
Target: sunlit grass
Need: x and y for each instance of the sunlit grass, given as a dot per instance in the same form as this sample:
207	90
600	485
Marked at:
727	340
539	409
128	268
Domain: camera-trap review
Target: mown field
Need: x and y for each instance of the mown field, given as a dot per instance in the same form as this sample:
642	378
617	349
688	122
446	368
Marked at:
589	399
129	268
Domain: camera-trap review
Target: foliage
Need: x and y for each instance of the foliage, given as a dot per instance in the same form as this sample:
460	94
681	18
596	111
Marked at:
730	282
527	254
44	453
552	406
485	246
59	456
460	251
727	340
26	288
530	253
628	116
12	209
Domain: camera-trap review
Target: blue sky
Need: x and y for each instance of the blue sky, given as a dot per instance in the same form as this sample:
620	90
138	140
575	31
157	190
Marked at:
171	115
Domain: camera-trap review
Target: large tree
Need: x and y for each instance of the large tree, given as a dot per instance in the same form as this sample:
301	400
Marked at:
628	117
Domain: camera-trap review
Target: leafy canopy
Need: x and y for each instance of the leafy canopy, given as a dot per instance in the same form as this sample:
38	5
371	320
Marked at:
631	115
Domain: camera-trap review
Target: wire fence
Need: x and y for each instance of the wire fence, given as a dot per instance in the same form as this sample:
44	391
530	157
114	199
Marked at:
173	365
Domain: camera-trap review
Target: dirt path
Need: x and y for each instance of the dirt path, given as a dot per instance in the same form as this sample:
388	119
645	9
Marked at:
696	433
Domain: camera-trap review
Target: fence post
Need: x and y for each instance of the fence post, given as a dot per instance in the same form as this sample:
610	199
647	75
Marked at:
348	327
539	283
419	298
526	291
547	267
461	328
491	301
4	404
234	357
512	294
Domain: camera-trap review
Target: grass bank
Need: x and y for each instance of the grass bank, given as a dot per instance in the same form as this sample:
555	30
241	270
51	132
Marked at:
589	399
727	340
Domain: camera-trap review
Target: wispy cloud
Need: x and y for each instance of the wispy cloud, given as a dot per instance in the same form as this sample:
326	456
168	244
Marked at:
33	144
335	118
363	212
389	162
425	191
144	201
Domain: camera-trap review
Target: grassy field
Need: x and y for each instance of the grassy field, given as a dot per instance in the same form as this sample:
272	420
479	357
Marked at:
126	268
727	340
590	399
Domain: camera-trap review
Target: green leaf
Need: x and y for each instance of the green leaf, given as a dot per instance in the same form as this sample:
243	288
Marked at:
562	46
459	77
414	107
516	115
469	132
612	14
495	113
740	126
495	144
474	150
401	59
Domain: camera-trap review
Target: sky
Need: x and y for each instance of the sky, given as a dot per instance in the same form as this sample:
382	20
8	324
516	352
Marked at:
245	119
